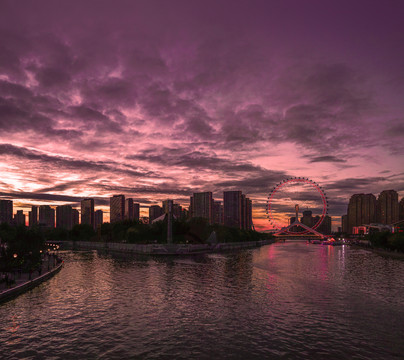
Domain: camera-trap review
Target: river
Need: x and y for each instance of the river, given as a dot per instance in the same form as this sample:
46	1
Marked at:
282	301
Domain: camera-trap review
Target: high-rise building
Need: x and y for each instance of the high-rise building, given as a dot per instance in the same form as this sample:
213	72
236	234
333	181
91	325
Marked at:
243	211
177	211
387	207
33	216
202	205
191	206
344	223
325	226
19	218
164	206
6	211
75	217
46	216
129	209
361	210
136	211
232	208
87	212
98	218
218	212
64	217
246	214
155	211
117	208
401	209
307	218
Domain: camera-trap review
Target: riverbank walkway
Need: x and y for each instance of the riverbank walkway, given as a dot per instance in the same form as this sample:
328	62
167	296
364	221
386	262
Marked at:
16	282
162	249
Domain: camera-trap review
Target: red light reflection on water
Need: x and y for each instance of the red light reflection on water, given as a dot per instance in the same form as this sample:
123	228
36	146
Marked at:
13	330
272	279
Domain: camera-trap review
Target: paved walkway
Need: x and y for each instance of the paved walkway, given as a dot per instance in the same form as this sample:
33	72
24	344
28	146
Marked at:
48	264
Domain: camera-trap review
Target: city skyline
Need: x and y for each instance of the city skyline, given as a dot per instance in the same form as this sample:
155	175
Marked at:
212	212
159	104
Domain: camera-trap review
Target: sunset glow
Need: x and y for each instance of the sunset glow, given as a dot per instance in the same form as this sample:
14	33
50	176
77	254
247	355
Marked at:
98	99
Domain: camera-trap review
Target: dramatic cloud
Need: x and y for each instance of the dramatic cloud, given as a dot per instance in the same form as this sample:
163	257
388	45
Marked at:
162	99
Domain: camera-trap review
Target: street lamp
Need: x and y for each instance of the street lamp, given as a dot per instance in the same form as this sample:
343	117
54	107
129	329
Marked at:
15	257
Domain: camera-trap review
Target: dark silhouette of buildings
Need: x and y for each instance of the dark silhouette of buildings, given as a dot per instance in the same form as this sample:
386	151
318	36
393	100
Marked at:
155	211
218	212
364	209
64	217
33	216
136	211
361	210
344	223
232	208
129	209
307	218
98	218
87	211
401	209
117	208
46	216
75	217
387	207
201	205
237	210
19	218
6	211
247	214
325	226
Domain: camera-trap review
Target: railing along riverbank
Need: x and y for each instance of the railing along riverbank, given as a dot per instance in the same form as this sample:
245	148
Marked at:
23	286
162	249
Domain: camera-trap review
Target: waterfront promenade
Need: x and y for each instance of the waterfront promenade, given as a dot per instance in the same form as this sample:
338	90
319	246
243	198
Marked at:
14	283
162	249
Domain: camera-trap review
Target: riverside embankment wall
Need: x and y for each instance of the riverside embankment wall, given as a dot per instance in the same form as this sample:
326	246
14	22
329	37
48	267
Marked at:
10	293
163	248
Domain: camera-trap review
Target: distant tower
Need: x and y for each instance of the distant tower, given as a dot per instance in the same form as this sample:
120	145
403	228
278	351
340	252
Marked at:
19	218
129	209
136	211
401	209
46	216
87	212
98	218
169	221
232	208
33	216
344	223
155	211
218	212
6	211
64	217
361	210
202	205
75	217
307	218
117	208
387	207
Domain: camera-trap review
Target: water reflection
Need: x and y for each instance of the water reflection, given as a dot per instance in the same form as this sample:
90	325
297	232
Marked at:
287	300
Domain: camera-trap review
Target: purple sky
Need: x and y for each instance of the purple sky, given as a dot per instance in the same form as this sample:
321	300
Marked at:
159	99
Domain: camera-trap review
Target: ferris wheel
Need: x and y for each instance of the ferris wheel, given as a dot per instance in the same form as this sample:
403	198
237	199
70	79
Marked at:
297	193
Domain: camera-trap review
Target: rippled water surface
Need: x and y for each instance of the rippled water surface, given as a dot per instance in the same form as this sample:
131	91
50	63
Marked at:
283	301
